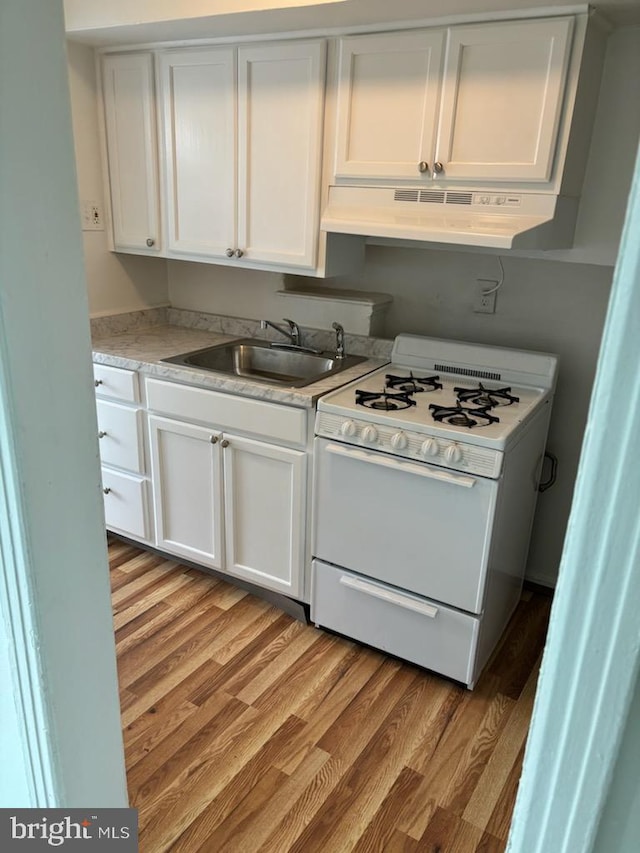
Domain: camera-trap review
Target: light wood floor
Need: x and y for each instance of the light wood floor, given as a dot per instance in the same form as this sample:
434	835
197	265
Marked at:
246	730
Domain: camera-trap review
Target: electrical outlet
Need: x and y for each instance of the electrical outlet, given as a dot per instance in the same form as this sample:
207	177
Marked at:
485	300
92	219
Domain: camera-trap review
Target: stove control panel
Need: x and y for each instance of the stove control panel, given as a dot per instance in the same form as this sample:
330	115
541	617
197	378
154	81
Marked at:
444	452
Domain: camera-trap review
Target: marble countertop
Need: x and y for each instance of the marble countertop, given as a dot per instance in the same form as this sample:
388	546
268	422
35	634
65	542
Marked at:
143	349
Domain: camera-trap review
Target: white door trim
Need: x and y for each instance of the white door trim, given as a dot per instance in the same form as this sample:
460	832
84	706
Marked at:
16	603
591	660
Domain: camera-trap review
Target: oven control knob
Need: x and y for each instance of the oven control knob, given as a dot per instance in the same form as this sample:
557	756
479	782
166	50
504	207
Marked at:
430	447
453	453
370	434
399	440
348	428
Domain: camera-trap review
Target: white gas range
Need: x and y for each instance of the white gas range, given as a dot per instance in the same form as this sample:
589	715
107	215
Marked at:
426	478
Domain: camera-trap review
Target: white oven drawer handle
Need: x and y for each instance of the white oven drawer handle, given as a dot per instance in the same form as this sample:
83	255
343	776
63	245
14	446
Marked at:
392	597
406	467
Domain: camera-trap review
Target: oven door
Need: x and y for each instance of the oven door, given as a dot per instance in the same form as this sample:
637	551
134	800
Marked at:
415	526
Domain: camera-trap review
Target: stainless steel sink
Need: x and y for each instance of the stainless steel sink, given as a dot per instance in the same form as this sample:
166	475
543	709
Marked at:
259	360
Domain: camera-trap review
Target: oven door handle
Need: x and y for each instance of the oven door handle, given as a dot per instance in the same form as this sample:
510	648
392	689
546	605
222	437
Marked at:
422	470
389	596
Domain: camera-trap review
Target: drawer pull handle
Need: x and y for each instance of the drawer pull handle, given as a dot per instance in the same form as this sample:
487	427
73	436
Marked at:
389	596
97	382
106	490
101	434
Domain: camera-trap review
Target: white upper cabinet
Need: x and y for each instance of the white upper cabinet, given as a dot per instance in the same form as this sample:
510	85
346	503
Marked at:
132	160
198	97
280	112
502	95
242	143
487	108
388	98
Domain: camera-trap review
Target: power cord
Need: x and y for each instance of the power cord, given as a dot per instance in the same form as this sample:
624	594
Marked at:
500	282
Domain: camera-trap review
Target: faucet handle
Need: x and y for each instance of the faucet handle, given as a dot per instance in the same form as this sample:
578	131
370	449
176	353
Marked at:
295	331
339	339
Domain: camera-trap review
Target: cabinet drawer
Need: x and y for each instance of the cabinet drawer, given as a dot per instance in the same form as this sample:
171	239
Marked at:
120	433
125	503
405	625
115	382
225	411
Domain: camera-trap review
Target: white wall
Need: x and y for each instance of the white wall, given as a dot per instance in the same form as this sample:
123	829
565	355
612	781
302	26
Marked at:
115	283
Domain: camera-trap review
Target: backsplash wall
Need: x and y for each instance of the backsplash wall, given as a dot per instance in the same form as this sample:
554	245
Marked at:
542	305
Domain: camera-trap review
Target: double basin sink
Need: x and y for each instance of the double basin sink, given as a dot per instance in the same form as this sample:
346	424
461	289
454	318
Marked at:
278	364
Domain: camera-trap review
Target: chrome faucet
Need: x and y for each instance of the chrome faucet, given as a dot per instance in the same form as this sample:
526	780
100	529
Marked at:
293	333
339	340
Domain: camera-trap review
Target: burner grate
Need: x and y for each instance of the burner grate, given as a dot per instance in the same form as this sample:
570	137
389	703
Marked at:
462	416
383	400
413	384
486	397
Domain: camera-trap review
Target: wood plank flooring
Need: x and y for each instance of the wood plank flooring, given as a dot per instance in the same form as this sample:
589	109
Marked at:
246	730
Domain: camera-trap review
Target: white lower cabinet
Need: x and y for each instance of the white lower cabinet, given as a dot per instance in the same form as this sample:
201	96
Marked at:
187	490
125	484
264	501
228	501
125	503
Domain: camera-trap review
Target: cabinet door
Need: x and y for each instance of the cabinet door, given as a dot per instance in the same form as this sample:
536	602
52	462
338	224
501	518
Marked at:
130	121
502	100
280	108
265	513
198	96
187	490
388	94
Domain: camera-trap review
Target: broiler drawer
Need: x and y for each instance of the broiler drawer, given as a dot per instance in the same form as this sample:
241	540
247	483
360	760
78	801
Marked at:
408	626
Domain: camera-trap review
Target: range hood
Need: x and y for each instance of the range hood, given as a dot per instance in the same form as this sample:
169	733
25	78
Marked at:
492	219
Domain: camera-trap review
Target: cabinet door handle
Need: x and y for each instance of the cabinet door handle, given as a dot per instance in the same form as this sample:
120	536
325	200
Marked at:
150	242
101	434
437	168
106	490
423	166
238	253
229	253
224	443
97	382
213	439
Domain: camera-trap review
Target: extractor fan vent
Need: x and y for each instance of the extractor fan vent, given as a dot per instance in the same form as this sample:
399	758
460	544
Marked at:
459	198
405	195
432	196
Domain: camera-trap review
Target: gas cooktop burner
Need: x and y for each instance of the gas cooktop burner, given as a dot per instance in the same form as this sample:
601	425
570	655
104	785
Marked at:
413	384
486	397
383	400
463	417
